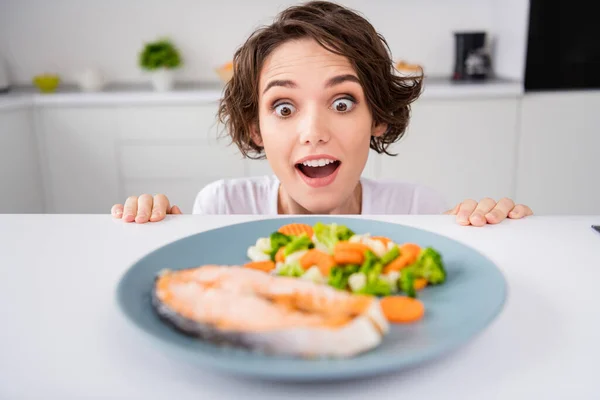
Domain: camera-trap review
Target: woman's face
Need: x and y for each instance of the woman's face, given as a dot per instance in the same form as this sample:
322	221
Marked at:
314	123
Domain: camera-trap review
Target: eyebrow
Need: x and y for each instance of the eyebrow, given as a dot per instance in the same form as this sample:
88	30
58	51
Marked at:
336	80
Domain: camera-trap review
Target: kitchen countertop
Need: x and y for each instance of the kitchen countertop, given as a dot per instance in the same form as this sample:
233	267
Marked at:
63	335
199	93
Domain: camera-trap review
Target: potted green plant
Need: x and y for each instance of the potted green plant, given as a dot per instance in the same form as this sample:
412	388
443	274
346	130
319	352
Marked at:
161	58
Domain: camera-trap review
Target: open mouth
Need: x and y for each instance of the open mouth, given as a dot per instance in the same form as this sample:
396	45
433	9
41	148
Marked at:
316	169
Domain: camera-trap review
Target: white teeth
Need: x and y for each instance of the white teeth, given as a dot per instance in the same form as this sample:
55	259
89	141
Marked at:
317	163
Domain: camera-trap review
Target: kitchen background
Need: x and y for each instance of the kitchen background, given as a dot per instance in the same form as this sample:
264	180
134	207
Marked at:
105	132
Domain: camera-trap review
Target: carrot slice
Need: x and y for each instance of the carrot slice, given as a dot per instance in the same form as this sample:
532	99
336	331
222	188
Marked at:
412	249
402	309
348	257
409	252
280	255
296	230
265	266
319	258
420	283
345	252
350	246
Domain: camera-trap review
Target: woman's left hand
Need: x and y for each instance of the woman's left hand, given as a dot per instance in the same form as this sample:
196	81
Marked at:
488	211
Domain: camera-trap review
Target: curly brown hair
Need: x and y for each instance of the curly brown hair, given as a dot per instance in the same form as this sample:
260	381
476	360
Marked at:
341	31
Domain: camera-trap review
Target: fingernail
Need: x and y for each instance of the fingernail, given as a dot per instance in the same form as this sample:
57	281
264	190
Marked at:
513	214
463	217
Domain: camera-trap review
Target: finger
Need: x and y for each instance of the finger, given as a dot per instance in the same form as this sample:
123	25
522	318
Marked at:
500	212
144	209
477	217
465	210
130	209
117	210
160	207
454	211
520	211
175	210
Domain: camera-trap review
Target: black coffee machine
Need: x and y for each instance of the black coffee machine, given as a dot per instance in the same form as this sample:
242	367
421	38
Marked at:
472	61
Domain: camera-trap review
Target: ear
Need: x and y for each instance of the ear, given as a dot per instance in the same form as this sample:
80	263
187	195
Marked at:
379	129
255	134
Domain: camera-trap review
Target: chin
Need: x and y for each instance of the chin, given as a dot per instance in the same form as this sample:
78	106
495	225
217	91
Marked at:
320	204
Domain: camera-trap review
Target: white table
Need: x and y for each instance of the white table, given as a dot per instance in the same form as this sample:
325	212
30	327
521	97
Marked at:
63	337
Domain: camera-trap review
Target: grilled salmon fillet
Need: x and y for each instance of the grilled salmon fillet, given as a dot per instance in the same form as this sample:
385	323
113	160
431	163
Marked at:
272	314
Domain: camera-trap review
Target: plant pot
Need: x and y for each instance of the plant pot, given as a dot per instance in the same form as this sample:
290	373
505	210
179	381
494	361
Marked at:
162	79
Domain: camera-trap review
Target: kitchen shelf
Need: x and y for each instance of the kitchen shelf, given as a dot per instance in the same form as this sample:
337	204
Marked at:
202	93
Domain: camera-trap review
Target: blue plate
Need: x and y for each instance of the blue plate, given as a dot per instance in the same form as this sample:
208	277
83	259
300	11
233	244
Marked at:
471	298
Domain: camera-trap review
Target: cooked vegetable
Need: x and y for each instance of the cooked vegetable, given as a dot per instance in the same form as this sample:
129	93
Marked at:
357	281
406	283
264	245
429	266
301	242
409	252
348	257
375	285
255	254
338	276
313	274
280	256
329	235
296	230
382	239
390	255
292	269
345	252
316	257
278	240
402	309
335	255
266	266
420	283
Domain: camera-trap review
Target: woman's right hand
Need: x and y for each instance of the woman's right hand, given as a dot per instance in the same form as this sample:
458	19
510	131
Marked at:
144	208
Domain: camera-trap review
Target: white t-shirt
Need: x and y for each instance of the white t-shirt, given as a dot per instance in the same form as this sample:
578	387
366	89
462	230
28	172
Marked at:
259	195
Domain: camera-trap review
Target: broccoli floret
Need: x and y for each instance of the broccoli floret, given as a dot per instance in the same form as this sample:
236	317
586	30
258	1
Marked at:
406	282
338	276
330	234
278	240
297	243
429	266
372	268
369	263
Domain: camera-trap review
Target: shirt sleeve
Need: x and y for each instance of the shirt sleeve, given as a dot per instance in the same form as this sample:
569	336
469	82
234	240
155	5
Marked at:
208	199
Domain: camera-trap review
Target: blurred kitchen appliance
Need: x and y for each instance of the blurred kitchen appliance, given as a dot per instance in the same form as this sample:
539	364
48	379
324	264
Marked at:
471	61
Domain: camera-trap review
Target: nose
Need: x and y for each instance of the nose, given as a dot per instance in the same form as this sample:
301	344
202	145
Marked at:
313	128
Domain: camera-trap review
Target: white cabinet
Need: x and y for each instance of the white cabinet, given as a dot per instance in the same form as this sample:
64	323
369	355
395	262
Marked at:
20	178
80	163
541	150
462	148
174	150
559	153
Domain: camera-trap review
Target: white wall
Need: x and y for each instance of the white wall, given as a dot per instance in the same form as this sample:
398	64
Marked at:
65	36
510	22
